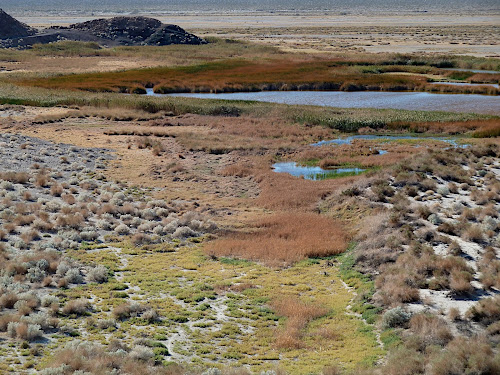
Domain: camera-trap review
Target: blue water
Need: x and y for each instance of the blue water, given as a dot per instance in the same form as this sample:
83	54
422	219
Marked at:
474	70
312	173
348	140
422	101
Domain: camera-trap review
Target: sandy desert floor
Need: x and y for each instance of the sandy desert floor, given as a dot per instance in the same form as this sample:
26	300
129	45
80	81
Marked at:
470	34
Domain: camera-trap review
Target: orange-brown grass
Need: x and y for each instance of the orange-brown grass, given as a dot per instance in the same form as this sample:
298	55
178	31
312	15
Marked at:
451	127
488	130
284	238
280	191
234	75
298	315
239	170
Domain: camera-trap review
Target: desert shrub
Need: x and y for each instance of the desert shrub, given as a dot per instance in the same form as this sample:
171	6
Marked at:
8	300
382	190
98	274
454	248
443	190
151	315
434	219
473	233
41	180
396	317
78	356
184	232
42	319
56	190
404	361
486	311
73	276
48	300
448	228
140	239
423	211
465	356
127	310
76	307
431	329
122	229
24	331
15	177
35	274
454	314
460	282
394	288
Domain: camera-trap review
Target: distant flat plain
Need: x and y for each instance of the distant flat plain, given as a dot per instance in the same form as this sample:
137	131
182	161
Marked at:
471	33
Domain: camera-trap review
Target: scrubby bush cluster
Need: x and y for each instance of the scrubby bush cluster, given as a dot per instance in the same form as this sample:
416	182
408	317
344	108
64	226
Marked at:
435	227
53	198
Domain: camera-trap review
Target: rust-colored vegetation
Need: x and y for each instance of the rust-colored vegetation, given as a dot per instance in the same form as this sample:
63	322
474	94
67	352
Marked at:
298	315
284	238
235	75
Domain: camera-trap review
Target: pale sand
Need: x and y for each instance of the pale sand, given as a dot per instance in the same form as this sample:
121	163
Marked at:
476	35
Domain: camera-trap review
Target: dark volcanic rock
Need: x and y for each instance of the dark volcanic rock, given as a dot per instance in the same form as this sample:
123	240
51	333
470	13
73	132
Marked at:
128	31
172	34
137	30
12	28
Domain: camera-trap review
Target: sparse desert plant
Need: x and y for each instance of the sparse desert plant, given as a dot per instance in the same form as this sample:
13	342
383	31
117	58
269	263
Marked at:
151	315
41	180
454	314
122	229
486	311
396	317
142	353
465	356
140	239
431	329
460	282
443	190
8	300
473	233
76	307
74	276
98	274
56	190
126	310
184	232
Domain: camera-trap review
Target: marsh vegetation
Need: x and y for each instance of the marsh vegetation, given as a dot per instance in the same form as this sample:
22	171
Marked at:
144	234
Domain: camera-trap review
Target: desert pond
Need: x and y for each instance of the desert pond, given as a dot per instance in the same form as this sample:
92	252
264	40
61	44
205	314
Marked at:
383	138
314	173
422	101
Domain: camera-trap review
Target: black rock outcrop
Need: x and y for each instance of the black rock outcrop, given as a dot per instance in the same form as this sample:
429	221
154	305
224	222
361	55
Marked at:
128	31
12	28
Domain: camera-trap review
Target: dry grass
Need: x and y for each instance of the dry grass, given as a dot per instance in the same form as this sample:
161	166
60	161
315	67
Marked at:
284	238
298	315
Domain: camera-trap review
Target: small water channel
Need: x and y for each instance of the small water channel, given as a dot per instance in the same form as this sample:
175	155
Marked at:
350	139
314	173
474	70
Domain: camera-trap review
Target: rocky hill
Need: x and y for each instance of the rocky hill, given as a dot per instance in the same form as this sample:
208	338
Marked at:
137	30
125	31
12	28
